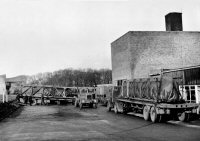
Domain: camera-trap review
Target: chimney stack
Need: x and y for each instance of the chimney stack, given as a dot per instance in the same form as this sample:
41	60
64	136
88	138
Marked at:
173	21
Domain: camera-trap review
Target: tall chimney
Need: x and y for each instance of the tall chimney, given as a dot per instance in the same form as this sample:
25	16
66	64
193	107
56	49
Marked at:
173	21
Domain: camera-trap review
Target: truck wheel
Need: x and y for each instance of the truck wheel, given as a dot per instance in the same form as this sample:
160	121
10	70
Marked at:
115	109
183	116
95	105
153	114
108	107
80	106
76	104
34	102
146	114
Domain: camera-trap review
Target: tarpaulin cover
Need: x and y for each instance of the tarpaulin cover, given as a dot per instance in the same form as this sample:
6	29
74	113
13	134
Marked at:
162	90
169	91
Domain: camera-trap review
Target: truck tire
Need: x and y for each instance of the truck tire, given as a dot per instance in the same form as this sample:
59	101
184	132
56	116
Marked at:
34	102
153	114
116	109
146	113
80	106
109	107
95	105
76	103
183	116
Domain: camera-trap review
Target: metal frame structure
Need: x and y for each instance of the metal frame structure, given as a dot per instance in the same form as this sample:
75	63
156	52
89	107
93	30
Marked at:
52	93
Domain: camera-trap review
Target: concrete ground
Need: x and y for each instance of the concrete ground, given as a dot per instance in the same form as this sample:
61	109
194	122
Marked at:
40	123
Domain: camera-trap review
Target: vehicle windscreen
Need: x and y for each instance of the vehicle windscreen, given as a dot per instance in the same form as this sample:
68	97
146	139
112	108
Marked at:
70	92
89	97
84	91
91	90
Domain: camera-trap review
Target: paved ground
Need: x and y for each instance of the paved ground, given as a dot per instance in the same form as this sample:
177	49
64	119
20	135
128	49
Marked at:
69	123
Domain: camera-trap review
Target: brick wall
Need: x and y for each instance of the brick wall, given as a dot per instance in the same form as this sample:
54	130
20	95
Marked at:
121	58
136	54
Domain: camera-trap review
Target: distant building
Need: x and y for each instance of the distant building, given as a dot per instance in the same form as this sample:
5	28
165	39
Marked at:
137	53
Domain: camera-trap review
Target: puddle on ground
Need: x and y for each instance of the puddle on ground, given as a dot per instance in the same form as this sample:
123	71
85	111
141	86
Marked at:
67	115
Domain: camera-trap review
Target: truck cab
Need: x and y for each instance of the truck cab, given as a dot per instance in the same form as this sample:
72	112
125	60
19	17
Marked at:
86	97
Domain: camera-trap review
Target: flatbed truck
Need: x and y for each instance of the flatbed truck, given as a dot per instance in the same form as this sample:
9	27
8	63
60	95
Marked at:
157	98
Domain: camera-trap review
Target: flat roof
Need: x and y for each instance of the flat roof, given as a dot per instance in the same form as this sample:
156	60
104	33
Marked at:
155	32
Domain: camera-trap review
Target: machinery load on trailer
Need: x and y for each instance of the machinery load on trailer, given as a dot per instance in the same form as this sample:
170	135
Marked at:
44	94
157	98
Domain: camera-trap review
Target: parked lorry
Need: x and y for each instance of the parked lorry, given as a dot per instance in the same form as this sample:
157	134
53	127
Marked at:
86	97
156	98
103	91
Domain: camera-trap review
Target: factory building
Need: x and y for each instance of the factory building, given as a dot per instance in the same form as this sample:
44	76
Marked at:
137	54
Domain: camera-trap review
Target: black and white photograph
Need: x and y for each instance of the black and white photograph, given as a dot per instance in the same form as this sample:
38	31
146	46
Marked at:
99	70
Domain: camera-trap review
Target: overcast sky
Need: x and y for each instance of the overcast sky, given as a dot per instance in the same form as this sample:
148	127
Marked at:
48	35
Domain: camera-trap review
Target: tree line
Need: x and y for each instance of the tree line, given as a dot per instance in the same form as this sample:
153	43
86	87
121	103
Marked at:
73	78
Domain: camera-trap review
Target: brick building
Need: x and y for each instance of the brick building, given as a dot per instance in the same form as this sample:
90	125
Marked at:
137	53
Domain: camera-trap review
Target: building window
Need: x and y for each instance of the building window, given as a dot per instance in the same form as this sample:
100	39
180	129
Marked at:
119	83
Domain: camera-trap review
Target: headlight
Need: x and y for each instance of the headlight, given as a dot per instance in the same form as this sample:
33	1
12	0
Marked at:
95	100
83	101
